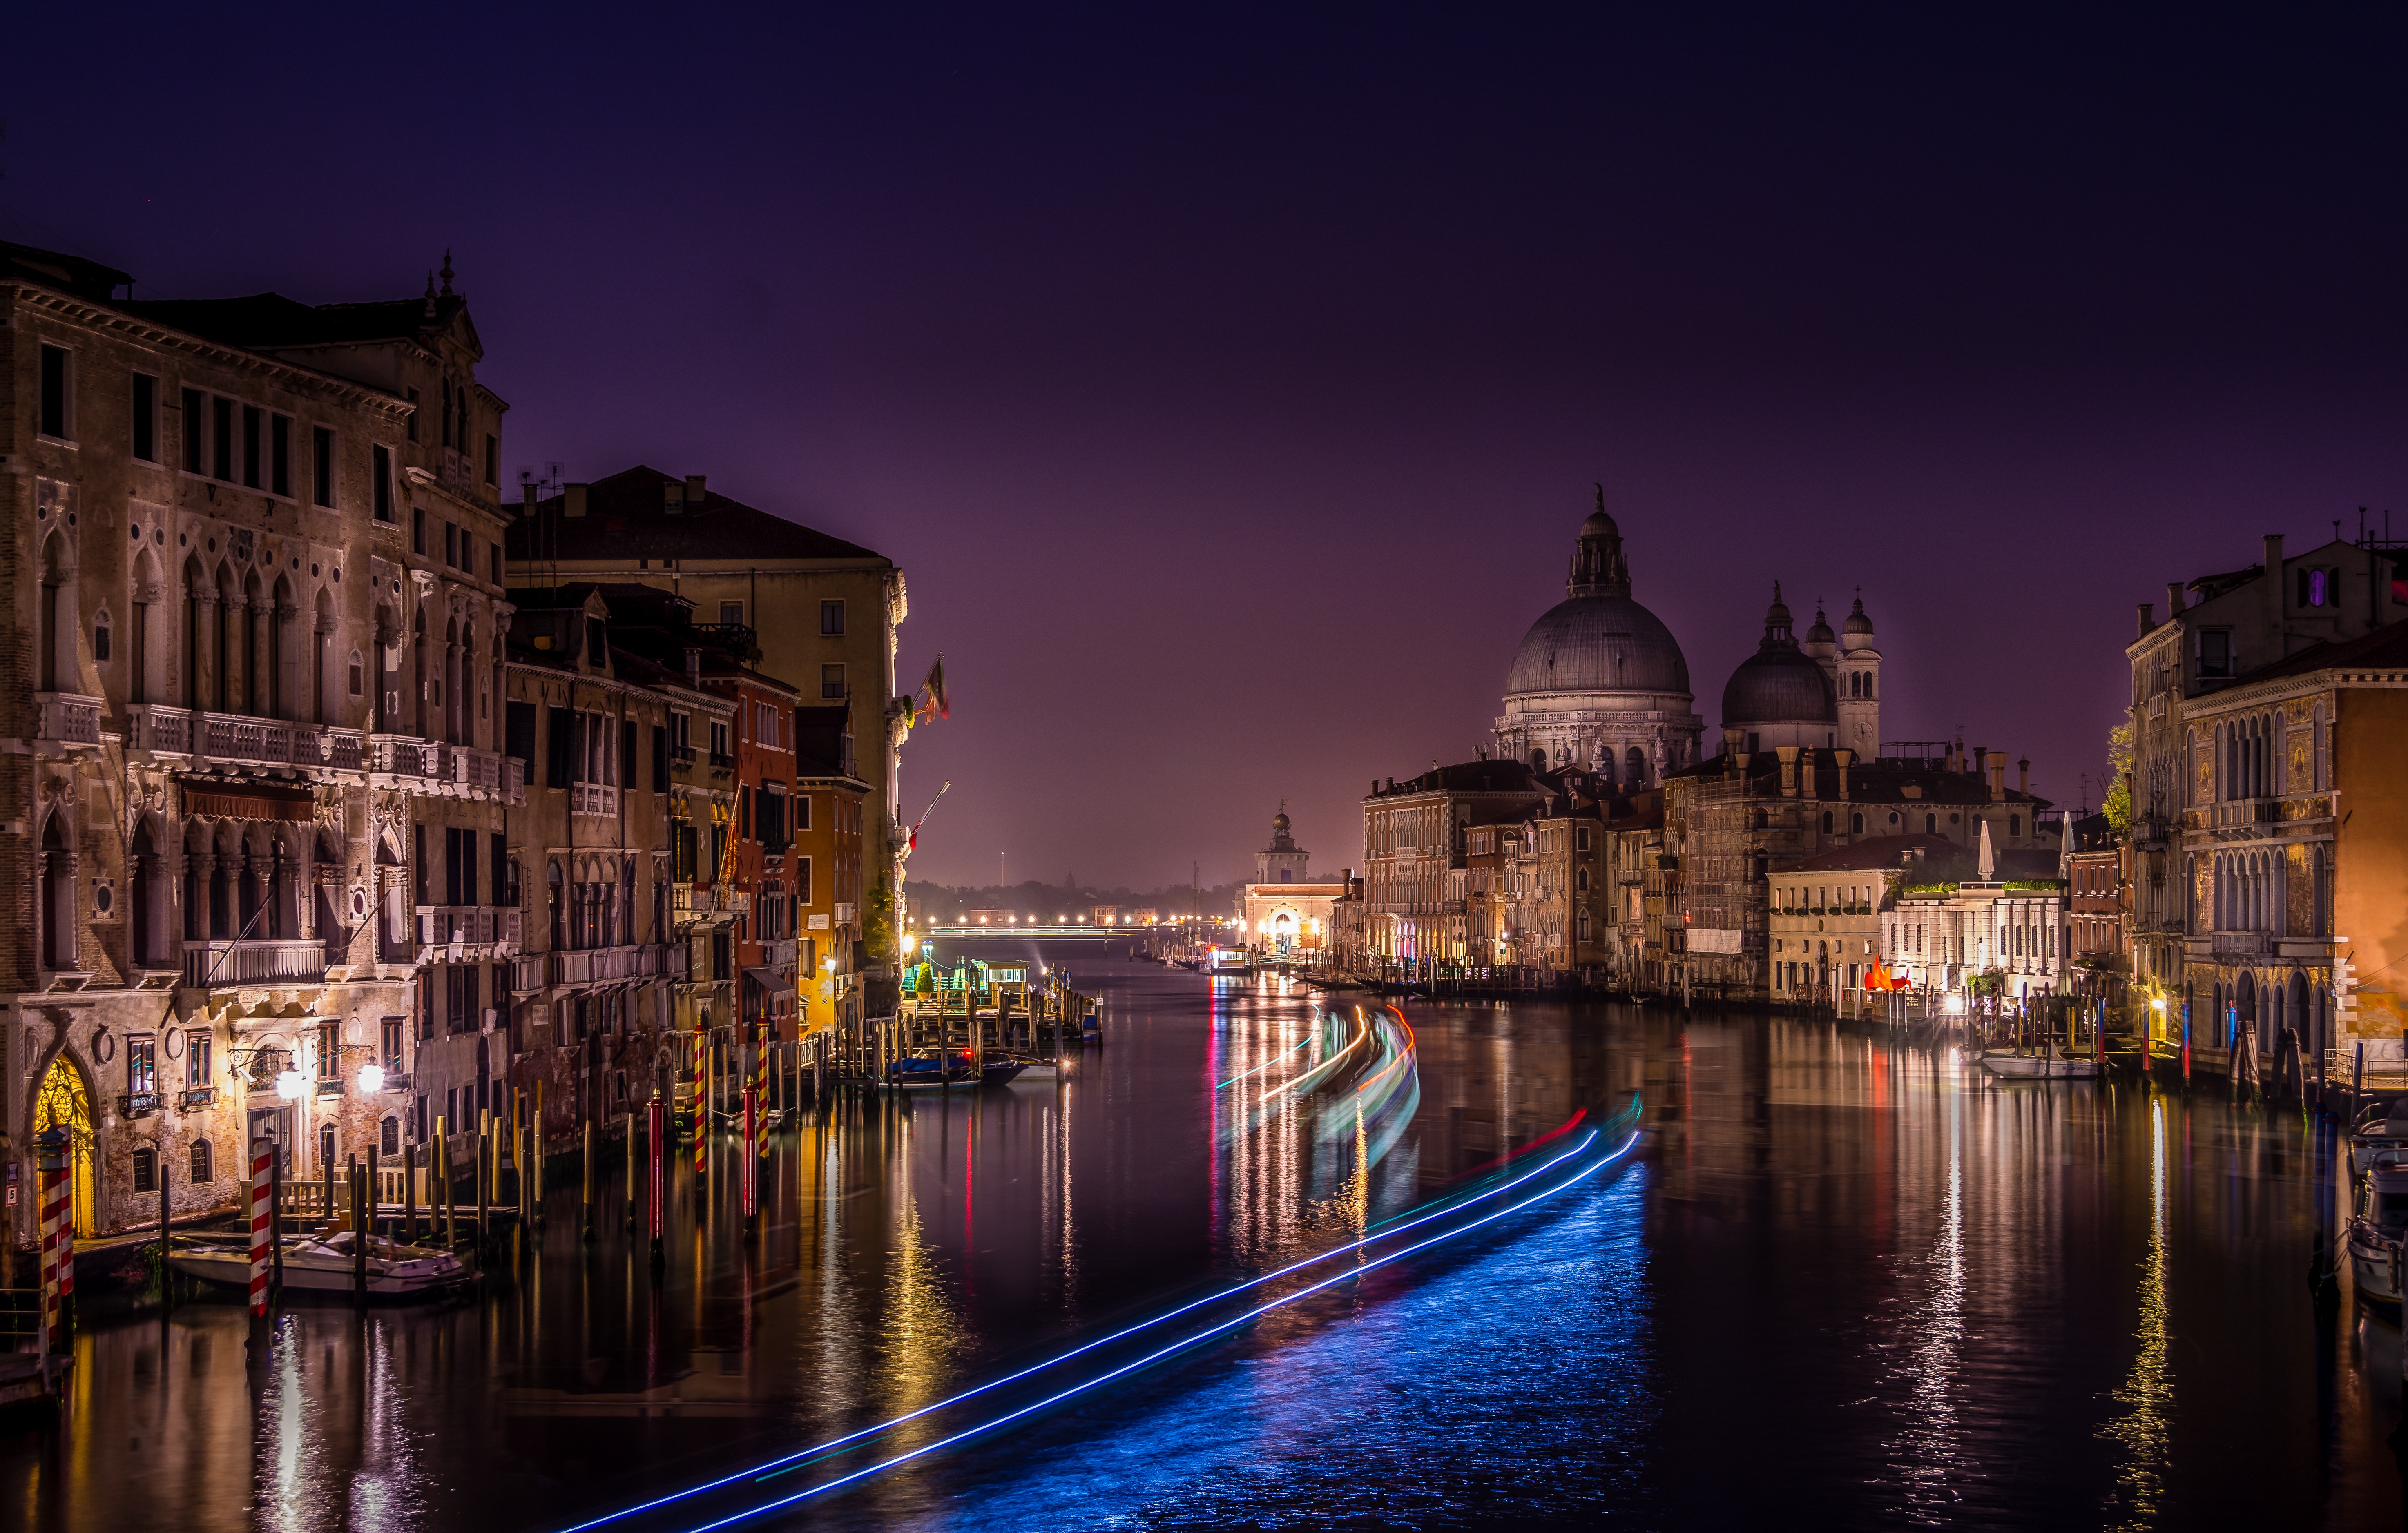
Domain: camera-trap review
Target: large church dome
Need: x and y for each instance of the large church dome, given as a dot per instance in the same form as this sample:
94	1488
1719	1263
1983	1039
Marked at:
1598	680
1597	643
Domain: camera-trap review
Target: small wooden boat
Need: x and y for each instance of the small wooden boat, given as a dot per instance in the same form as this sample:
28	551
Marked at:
1035	1067
326	1263
2040	1066
925	1069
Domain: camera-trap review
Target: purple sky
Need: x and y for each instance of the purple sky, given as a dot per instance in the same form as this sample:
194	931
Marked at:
1230	386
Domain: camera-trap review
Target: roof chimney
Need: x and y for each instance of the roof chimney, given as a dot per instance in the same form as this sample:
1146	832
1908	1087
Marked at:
1996	767
2147	621
1843	755
693	493
1788	754
572	500
672	498
2023	775
2174	601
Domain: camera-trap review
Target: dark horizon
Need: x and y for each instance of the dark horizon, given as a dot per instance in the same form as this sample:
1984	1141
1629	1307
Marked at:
1231	388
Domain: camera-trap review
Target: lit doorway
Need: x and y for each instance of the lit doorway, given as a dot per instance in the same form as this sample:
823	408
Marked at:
66	1103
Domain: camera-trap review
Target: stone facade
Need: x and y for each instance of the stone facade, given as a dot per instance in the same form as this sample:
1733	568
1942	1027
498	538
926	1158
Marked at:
254	569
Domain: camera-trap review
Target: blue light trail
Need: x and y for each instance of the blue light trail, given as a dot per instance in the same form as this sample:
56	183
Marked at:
1437	1212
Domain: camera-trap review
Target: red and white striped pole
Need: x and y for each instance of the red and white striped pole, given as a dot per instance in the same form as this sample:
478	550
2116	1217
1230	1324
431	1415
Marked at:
702	1084
262	1161
58	1256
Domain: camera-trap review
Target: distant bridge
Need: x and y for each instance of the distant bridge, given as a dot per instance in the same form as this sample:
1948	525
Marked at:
952	934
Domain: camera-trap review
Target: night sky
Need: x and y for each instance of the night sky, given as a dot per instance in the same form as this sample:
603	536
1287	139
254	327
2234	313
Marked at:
1230	385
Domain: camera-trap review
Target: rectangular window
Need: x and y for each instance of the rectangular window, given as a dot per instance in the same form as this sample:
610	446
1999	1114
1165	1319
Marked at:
2215	652
253	423
627	752
831	617
413	414
197	1059
380	485
146	416
831	682
56	395
146	1169
321	467
142	1065
451	545
418	529
389	1043
493	459
597	646
745	811
561	749
732	612
802	811
504	874
660	759
191	427
279	455
518	733
495	552
802	881
222	438
329	1052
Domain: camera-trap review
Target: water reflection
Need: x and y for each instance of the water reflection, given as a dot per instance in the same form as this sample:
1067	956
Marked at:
1852	1283
2147	1392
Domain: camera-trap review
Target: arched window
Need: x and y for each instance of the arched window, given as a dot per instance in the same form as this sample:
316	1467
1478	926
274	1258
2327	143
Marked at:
1762	820
1931	824
146	1169
1538	760
1827	822
205	1169
2015	824
1856	823
389	1135
1634	766
558	906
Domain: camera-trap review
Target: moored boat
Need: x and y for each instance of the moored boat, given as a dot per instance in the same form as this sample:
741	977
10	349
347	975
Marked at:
326	1263
2040	1066
2378	1222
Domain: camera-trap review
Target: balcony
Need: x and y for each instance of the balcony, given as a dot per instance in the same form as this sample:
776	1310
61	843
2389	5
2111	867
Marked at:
331	1088
220	962
469	926
604	965
65	719
721	761
162	731
140	1103
681	755
593	798
243	741
198	1097
437	766
778	954
700	900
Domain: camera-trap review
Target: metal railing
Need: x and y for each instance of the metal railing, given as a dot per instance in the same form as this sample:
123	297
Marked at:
441	925
602	966
221	961
67	717
593	799
2390	1073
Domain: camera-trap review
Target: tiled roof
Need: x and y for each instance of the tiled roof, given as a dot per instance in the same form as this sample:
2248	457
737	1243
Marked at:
626	517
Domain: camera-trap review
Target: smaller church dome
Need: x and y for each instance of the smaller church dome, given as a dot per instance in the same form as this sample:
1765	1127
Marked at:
1779	686
1858	623
1599	526
1821	633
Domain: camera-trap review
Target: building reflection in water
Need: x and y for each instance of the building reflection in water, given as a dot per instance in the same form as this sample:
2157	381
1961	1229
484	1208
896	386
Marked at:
1892	1290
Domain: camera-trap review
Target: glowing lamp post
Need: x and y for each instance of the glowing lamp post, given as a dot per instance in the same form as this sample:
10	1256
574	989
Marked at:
372	1079
290	1086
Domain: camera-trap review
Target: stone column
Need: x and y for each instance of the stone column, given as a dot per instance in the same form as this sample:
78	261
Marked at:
201	663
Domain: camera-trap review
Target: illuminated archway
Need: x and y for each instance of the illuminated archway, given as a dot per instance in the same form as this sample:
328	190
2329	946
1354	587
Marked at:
63	1101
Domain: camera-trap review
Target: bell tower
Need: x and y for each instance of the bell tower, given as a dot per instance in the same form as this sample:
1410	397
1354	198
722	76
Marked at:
1858	679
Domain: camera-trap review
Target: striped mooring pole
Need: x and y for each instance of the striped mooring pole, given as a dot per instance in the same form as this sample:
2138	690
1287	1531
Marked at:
263	1162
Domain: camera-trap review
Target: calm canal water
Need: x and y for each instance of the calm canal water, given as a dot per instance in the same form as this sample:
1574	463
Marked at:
1839	1282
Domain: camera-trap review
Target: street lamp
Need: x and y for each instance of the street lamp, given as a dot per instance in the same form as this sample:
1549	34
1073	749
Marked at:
290	1086
372	1079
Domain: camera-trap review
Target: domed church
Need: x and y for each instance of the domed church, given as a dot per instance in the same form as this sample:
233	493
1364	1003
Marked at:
1599	682
1823	693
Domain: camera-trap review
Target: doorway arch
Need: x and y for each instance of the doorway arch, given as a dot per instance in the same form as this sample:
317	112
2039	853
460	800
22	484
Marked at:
65	1101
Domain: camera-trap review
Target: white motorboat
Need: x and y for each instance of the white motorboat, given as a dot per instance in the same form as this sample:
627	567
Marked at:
2381	1135
2378	1221
2040	1066
326	1263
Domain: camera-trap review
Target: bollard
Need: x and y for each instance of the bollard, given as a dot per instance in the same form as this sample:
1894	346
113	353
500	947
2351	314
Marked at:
534	1139
166	1273
359	1234
276	1218
585	1195
442	1177
657	1118
752	1163
409	1195
484	1209
632	1193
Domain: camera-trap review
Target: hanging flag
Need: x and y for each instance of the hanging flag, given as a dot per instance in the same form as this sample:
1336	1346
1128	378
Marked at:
936	686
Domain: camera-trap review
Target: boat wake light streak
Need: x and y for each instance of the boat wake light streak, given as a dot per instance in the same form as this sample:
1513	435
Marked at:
1183	1342
1437	1212
1268	1063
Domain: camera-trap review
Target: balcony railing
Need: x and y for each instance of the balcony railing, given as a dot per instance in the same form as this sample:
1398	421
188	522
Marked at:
67	718
437	765
197	1096
475	925
167	731
681	755
778	954
701	899
602	966
2237	944
220	962
593	799
140	1103
722	762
